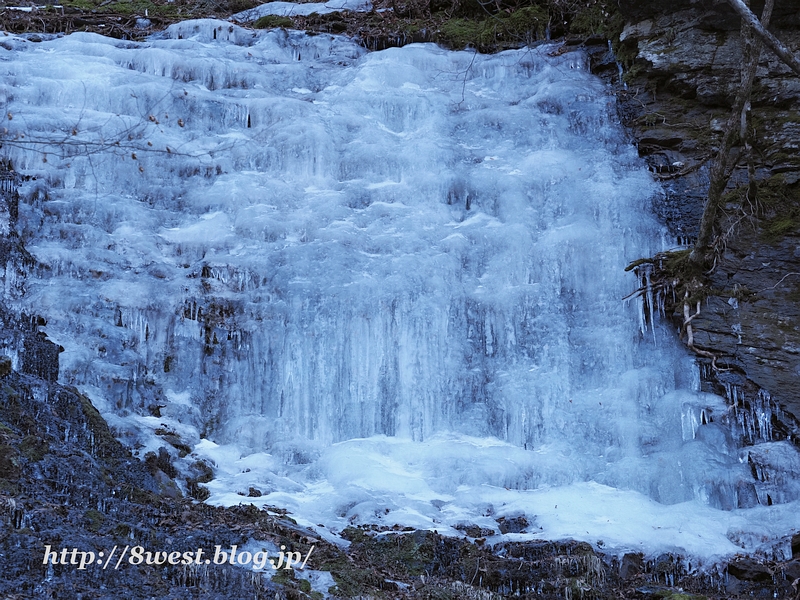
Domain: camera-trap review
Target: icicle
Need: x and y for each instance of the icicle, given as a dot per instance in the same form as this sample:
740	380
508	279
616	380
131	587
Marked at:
650	302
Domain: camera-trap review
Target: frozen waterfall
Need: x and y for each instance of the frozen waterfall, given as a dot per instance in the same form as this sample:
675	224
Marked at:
377	287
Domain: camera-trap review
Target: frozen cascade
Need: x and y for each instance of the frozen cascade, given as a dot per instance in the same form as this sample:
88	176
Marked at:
378	287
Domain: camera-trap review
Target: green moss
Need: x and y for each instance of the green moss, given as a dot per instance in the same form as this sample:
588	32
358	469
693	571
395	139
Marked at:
780	204
355	534
273	21
778	227
678	264
283	576
305	586
504	29
598	19
122	7
81	4
9	462
95	519
138	495
105	444
630	74
460	33
527	21
351	580
671	595
34	448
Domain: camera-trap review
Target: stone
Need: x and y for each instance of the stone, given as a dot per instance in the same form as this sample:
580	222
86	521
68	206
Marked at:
513	524
747	569
630	566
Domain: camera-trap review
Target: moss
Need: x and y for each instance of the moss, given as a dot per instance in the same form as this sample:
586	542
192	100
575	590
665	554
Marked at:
638	263
780	226
504	29
598	19
672	265
528	20
9	462
95	519
305	586
138	495
34	448
81	4
460	33
351	580
671	595
273	21
135	7
780	204
355	534
630	74
283	576
105	444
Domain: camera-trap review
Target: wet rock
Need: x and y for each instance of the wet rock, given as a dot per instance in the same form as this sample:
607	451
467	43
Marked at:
748	569
791	570
630	566
513	524
474	531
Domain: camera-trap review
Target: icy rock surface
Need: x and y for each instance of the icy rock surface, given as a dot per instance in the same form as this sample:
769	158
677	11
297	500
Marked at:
375	287
291	9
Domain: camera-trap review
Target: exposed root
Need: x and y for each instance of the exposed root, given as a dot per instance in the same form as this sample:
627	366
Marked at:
684	171
665	278
687	327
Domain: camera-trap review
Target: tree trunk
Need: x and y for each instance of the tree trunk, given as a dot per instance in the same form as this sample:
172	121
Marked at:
724	163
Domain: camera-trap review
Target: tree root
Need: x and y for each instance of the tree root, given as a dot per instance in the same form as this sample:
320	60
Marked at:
687	327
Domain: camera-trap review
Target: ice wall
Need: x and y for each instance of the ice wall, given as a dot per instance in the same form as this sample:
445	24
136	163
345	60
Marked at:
394	279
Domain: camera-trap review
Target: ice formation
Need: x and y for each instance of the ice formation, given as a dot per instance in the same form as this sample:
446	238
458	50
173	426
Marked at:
291	9
377	287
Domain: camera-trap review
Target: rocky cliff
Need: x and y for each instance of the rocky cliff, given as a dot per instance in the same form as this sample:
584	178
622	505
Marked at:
682	68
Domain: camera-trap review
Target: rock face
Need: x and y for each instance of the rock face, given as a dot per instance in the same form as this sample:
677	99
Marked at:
20	338
683	64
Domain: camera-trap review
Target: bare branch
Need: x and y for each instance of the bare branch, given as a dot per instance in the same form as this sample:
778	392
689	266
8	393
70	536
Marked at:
770	40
